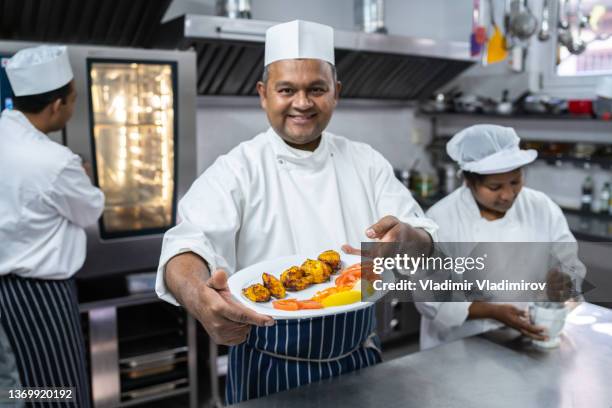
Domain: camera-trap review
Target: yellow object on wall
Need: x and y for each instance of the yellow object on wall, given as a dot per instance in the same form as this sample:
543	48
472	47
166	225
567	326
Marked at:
496	48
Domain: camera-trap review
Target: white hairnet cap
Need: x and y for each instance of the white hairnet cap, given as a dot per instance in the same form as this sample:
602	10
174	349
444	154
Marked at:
488	149
37	70
299	39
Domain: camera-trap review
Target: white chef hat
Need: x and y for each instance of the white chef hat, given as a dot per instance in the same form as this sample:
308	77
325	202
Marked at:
299	39
488	149
37	70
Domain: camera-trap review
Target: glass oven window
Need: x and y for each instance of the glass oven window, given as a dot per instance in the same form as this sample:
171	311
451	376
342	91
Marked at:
134	141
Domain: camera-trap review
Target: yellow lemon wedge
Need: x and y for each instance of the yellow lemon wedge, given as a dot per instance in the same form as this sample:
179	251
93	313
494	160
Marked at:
342	298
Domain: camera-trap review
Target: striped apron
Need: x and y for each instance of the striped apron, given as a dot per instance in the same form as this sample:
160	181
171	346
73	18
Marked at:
297	352
41	321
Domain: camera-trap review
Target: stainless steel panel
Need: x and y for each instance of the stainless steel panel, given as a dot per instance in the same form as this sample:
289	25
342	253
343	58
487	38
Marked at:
103	346
192	360
224	28
501	371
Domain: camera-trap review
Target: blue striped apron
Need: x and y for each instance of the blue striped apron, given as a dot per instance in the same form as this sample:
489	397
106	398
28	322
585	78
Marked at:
297	352
41	321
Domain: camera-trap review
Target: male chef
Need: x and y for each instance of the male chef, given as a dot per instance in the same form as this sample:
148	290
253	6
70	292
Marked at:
47	199
293	189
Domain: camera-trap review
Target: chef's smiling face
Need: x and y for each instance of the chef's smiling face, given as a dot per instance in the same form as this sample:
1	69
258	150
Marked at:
299	98
497	192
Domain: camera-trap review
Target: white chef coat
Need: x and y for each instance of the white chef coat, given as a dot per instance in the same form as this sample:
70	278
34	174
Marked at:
265	200
47	199
533	217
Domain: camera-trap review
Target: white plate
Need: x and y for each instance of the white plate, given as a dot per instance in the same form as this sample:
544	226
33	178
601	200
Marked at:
252	274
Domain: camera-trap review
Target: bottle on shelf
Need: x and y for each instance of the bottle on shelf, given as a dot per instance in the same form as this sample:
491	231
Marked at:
587	194
604	198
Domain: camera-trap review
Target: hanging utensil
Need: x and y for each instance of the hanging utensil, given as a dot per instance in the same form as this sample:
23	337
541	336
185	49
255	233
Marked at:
579	45
523	24
544	33
496	48
563	14
570	34
478	37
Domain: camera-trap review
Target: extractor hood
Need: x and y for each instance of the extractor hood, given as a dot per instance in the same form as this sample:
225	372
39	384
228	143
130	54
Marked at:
230	55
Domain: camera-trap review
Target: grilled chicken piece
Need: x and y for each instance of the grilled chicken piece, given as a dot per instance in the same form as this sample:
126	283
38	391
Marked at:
275	286
316	271
293	279
332	258
257	293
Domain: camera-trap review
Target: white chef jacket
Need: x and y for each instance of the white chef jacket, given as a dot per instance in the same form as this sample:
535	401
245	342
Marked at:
533	217
265	200
46	201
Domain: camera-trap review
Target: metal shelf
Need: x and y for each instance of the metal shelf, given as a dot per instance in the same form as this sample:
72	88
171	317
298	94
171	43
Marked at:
546	128
517	116
604	163
146	358
157	397
222	362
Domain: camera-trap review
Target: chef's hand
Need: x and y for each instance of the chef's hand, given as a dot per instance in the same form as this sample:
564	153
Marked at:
225	320
518	319
208	299
390	229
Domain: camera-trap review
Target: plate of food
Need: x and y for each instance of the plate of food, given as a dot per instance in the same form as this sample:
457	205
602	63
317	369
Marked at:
302	286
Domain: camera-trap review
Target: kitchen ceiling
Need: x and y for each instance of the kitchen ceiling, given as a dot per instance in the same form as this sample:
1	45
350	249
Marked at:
128	23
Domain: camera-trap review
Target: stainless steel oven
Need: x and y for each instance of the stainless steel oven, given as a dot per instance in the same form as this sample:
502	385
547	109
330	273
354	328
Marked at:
134	122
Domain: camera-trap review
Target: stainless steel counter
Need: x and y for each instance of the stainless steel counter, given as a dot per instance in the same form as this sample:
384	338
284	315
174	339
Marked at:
496	370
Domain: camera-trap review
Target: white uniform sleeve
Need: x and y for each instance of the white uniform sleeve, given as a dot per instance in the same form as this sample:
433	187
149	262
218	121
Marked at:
73	195
209	218
444	315
393	198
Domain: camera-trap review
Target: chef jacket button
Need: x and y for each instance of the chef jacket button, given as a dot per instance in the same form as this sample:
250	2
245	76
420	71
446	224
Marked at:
281	161
331	154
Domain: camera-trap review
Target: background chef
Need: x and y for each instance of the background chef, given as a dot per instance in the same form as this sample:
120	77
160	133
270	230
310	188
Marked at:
493	206
47	199
294	189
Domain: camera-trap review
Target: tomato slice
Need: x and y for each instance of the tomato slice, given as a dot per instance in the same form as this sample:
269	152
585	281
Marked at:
346	280
322	294
349	276
309	304
286	304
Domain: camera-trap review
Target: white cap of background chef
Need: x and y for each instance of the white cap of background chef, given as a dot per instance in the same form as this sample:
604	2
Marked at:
37	70
299	39
488	149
